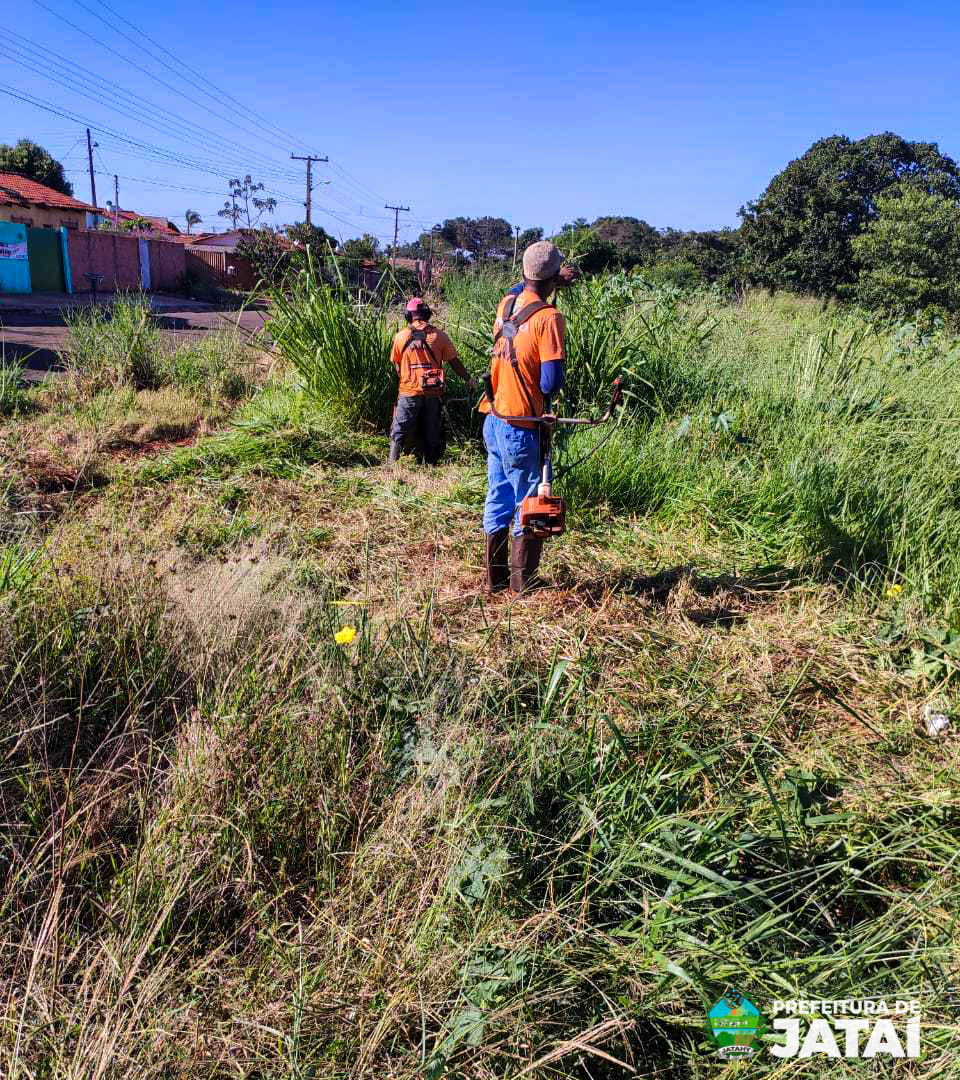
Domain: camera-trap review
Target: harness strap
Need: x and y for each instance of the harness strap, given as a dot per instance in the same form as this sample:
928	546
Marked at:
522	316
418	335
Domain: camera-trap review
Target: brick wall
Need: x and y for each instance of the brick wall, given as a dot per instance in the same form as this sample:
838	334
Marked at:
167	264
116	257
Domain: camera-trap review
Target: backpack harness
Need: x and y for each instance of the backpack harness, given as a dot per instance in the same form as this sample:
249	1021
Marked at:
509	325
431	379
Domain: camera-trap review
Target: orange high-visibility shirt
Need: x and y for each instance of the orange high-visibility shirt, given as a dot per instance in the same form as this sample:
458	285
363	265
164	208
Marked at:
415	363
539	340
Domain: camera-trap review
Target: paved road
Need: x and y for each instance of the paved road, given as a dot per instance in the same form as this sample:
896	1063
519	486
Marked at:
36	335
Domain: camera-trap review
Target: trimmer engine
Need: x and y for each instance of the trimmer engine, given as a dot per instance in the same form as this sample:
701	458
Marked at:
543	515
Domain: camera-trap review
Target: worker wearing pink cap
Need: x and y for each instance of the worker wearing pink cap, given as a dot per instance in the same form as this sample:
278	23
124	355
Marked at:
419	353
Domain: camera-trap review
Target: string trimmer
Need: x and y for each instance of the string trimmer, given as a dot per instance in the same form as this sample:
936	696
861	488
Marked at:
544	514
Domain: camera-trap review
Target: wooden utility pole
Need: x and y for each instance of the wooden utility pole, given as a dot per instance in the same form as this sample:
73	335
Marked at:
93	183
116	200
516	242
309	160
397	210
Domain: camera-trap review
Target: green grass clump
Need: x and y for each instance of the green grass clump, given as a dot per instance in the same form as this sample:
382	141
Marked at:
339	349
115	348
122	348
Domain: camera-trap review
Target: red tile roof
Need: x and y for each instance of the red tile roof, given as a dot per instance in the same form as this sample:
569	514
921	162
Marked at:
19	191
158	224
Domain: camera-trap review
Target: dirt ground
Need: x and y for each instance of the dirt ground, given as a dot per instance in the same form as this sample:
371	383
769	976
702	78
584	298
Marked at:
33	328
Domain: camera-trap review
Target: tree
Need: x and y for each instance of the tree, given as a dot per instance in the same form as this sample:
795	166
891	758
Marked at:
269	255
634	240
360	248
32	161
798	234
318	240
481	238
528	237
243	196
909	253
191	217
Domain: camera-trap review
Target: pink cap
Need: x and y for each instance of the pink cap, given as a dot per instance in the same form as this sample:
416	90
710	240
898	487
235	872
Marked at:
415	303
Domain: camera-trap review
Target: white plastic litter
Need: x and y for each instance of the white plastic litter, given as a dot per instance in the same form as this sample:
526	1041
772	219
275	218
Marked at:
937	722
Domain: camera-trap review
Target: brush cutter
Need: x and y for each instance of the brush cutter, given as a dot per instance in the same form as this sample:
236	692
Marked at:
544	514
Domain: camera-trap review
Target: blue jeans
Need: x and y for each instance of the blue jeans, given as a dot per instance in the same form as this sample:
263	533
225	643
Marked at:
513	472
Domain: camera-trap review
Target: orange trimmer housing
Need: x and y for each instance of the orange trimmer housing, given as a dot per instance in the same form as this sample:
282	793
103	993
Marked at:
543	516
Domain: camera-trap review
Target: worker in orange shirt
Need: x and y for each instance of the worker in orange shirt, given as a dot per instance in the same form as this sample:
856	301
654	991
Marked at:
528	367
419	353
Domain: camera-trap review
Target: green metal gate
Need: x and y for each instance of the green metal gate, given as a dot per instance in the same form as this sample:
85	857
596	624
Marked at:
45	250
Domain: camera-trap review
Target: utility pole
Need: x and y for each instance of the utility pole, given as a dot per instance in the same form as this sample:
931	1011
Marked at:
397	210
309	160
516	242
93	183
116	201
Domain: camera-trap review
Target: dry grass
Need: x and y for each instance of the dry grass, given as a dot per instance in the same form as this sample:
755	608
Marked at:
489	838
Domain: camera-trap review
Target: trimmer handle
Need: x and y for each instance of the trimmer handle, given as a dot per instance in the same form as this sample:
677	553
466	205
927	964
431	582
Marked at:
487	380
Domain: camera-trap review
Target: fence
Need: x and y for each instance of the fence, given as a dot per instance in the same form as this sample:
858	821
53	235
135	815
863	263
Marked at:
221	267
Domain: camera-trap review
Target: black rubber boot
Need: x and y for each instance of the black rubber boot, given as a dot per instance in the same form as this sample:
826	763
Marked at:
524	562
395	450
498	570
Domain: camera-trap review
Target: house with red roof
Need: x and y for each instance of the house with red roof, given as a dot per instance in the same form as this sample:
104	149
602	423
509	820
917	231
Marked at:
25	202
158	226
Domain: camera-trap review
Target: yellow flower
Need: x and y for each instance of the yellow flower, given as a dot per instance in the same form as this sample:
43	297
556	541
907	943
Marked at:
893	590
345	636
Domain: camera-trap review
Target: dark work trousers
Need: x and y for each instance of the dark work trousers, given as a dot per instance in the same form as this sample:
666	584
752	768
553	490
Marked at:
423	411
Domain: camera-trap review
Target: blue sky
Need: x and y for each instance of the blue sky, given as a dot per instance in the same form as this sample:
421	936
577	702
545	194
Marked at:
674	113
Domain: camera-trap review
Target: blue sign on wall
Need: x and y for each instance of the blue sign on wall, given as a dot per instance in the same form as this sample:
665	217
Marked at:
14	263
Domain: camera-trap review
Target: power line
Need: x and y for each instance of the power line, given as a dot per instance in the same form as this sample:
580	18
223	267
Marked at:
68	80
150	75
221	93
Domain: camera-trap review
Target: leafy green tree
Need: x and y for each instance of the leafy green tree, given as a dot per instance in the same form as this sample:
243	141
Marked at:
909	254
28	159
798	234
245	206
714	255
528	237
362	247
312	236
481	238
191	217
268	254
633	240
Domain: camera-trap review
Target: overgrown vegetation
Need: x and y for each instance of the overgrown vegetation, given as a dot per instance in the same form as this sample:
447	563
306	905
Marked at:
122	346
506	838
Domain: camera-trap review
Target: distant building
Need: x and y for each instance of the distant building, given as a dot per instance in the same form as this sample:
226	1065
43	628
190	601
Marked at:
25	202
158	226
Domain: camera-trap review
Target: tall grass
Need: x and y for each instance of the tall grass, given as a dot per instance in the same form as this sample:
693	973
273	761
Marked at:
339	348
108	349
313	860
123	348
834	442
